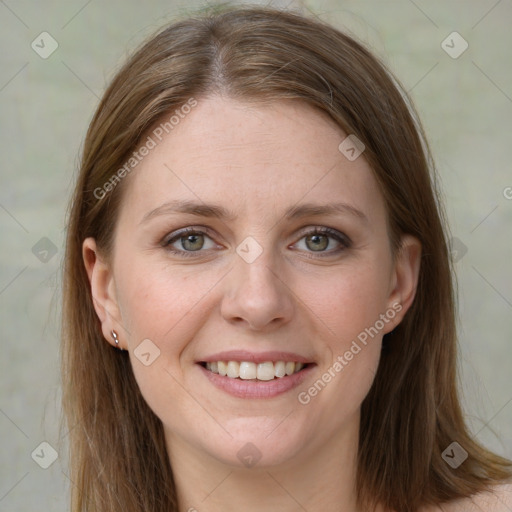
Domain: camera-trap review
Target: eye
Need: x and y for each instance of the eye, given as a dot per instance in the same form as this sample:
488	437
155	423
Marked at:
188	240
321	238
191	240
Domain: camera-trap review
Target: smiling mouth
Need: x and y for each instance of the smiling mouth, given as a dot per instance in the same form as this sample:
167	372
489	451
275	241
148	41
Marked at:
247	370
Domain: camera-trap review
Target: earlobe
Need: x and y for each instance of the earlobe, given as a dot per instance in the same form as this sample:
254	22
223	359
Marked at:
102	289
405	280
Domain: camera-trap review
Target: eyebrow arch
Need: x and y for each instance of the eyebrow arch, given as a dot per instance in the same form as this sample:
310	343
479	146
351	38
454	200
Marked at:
219	212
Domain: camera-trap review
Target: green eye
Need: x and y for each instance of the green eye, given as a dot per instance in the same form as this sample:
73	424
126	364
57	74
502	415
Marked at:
319	240
188	241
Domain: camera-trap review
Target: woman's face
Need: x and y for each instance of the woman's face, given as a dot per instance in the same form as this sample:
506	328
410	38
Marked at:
288	260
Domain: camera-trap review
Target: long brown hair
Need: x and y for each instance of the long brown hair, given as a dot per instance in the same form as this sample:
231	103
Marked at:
412	412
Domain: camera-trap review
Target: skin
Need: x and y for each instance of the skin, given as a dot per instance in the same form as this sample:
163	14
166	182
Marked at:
257	161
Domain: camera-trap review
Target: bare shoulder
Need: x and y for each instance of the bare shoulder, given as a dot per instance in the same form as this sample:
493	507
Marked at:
499	500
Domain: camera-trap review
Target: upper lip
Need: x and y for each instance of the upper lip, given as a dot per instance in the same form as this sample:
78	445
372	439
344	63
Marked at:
254	357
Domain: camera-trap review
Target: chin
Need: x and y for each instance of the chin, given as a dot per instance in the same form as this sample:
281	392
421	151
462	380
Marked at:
255	445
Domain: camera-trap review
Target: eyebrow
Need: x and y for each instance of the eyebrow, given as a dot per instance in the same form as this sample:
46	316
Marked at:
219	212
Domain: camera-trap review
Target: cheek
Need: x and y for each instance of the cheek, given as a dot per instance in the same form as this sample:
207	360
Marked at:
156	301
348	302
348	310
350	305
162	309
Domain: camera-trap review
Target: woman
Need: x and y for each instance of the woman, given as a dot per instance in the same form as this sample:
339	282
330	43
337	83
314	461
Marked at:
258	303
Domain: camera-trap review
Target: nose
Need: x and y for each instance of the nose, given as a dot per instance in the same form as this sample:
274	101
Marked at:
256	295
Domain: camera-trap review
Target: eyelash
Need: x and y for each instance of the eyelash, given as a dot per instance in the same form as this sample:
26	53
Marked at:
341	238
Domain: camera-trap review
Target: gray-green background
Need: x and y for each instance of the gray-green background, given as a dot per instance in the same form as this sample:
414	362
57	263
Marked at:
46	104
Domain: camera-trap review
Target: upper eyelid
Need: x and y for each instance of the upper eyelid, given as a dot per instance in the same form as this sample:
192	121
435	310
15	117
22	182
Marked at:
312	229
341	237
184	231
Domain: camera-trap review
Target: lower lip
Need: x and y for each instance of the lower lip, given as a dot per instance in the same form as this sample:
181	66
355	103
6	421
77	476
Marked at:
256	388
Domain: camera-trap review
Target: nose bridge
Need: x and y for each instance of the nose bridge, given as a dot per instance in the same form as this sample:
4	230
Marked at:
256	292
256	268
261	274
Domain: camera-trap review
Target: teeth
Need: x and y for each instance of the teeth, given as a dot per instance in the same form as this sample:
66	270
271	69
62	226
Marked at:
280	368
289	368
233	369
266	371
222	368
248	370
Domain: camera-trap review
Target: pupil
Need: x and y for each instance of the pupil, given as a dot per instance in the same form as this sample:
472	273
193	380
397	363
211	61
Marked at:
316	238
192	239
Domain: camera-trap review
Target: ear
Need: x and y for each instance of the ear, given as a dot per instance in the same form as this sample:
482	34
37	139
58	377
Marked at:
404	279
103	291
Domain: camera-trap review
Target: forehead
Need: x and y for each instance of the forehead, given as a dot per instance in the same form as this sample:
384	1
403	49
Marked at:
254	159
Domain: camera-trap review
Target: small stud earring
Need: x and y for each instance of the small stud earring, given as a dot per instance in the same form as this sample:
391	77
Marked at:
114	335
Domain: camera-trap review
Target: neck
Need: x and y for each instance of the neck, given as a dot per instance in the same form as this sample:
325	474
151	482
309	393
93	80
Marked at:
321	477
